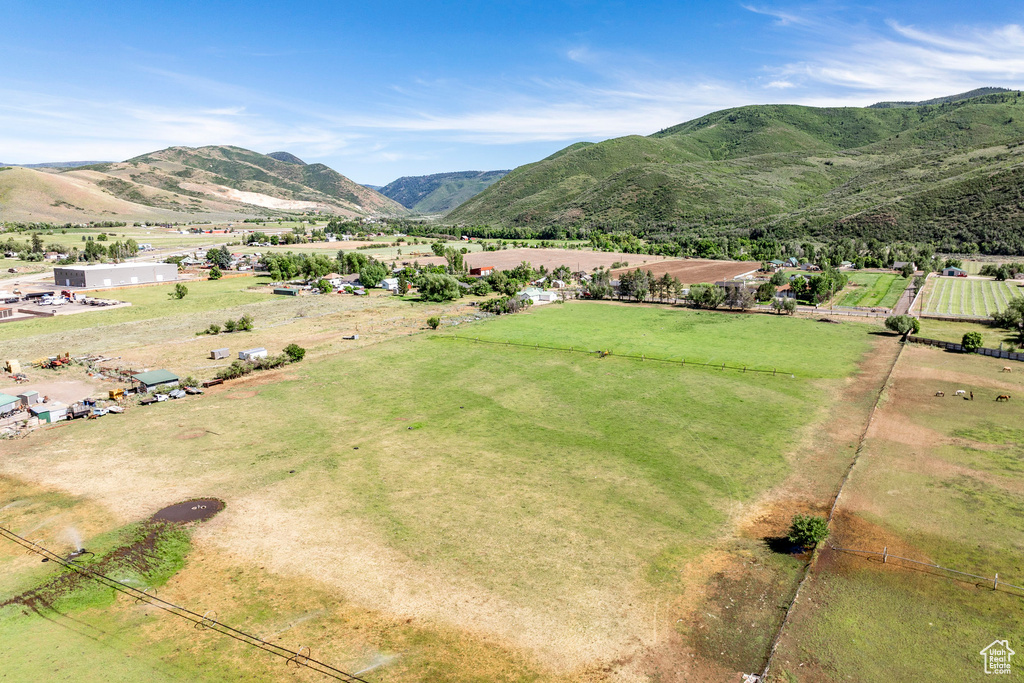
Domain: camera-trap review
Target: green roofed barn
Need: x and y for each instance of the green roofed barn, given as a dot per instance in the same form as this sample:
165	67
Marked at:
8	402
155	378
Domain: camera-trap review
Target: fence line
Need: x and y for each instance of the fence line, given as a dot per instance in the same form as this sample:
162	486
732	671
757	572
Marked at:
642	357
886	556
954	346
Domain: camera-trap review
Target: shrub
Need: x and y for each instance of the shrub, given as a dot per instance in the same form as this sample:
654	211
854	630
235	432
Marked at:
324	286
180	291
189	381
214	328
903	324
215	273
766	292
244	323
294	352
433	322
230	326
807	531
784	305
971	341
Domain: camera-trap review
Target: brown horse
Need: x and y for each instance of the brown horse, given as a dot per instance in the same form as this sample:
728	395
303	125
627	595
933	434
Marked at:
1003	397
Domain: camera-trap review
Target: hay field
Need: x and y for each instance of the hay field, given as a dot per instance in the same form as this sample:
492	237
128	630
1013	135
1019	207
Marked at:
967	296
872	289
940	482
531	514
693	271
576	259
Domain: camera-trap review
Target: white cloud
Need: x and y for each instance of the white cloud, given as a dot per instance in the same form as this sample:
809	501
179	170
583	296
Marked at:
782	18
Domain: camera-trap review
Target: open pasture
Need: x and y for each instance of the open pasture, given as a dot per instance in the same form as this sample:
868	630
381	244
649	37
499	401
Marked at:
966	296
872	289
939	481
550	511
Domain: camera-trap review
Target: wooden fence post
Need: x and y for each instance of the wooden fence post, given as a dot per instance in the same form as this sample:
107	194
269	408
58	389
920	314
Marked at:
885	554
995	583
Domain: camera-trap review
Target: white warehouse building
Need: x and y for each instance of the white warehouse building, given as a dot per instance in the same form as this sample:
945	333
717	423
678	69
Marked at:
114	274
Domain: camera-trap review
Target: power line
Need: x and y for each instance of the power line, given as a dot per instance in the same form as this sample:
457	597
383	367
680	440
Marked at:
200	621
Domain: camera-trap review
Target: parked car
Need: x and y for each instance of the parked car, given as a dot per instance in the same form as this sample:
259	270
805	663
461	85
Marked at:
160	397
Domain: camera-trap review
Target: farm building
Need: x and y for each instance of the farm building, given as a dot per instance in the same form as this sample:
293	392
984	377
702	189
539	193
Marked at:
286	291
899	265
6	313
539	296
49	412
252	354
390	284
482	271
155	378
217	354
953	271
114	274
8	402
29	398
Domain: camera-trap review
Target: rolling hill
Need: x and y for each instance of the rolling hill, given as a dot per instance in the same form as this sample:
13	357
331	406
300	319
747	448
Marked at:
950	172
439	192
184	183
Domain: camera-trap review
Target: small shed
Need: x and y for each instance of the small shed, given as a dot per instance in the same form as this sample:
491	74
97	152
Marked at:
482	271
29	398
252	354
155	378
8	402
286	291
49	412
953	271
6	313
217	354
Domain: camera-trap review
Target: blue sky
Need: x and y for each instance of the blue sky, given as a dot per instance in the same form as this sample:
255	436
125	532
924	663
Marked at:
379	90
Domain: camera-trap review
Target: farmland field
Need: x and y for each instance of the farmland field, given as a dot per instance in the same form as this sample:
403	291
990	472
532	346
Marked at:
966	296
872	289
939	481
459	510
693	271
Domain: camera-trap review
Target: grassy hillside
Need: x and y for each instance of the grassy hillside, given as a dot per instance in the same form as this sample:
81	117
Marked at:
184	183
439	192
949	172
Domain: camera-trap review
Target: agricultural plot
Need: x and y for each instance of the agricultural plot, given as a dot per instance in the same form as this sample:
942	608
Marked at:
872	289
458	510
966	296
939	482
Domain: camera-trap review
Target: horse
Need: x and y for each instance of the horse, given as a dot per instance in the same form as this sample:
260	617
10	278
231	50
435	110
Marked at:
939	393
1003	397
960	392
1007	368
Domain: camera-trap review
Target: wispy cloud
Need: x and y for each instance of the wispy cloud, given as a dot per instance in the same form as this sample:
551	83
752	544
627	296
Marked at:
782	17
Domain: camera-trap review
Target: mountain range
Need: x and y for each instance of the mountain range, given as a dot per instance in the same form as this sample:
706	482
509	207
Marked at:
440	192
951	172
183	184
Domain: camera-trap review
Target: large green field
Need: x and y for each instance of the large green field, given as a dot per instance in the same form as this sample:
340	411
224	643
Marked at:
873	289
550	501
967	296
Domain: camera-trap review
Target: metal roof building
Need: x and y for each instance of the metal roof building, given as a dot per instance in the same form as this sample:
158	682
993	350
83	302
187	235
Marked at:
114	274
155	378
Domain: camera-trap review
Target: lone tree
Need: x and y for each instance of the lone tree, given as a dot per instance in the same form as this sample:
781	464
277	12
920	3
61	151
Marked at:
215	273
294	352
179	292
971	342
903	324
807	531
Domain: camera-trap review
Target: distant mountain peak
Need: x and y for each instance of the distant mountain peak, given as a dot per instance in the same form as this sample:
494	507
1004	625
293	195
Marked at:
287	157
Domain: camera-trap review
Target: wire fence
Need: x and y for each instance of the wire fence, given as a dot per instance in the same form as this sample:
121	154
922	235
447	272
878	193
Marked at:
887	557
682	362
300	658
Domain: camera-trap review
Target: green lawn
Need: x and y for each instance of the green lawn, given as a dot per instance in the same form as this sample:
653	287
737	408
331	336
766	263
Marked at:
805	347
873	289
560	485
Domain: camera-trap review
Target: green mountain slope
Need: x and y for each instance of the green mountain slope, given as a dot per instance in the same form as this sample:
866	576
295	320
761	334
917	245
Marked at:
949	171
439	192
977	92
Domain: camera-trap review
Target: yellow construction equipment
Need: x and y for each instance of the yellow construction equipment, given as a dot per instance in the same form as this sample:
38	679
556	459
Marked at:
116	394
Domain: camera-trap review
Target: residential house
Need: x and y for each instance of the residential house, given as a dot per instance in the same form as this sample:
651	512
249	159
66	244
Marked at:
953	271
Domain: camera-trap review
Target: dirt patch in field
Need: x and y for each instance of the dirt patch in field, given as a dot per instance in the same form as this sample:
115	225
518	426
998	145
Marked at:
66	391
185	436
692	271
198	510
549	258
